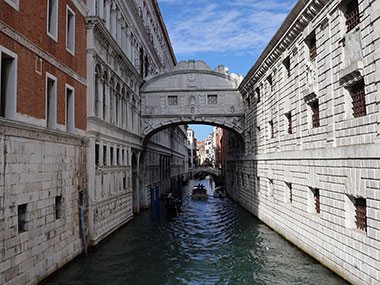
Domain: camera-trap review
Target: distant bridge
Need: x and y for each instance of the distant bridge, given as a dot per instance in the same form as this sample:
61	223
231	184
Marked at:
206	169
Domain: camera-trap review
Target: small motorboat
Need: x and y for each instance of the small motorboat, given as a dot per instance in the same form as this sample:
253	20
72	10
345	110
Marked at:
199	192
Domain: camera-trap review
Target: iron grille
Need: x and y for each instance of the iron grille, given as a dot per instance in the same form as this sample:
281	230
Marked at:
317	201
290	192
315	115
358	100
290	129
361	215
272	128
313	48
352	16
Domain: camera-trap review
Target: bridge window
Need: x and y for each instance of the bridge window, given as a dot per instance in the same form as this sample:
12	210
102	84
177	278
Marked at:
212	99
361	214
172	100
314	201
288	195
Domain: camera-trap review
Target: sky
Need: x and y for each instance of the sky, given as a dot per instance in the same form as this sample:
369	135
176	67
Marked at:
228	32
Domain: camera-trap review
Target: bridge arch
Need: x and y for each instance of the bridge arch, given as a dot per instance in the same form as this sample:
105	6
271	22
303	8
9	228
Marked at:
192	93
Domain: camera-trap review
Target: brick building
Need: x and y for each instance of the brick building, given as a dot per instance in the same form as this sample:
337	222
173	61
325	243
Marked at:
42	124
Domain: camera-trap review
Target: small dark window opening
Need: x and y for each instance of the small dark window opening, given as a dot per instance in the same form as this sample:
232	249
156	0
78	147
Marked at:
312	43
111	154
96	154
58	207
358	99
122	157
272	128
361	214
21	212
317	200
286	63
352	15
248	102
146	66
117	156
289	117
104	155
258	94
124	182
315	113
141	61
290	192
270	81
5	70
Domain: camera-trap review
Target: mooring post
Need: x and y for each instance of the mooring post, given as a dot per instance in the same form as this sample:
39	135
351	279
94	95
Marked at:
158	201
152	202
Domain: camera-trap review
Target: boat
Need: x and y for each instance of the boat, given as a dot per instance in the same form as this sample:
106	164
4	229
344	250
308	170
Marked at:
199	192
173	205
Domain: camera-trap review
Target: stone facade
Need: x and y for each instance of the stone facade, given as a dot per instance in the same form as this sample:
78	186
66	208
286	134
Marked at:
308	164
123	50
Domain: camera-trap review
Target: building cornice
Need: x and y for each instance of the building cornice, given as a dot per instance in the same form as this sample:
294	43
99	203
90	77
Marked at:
299	17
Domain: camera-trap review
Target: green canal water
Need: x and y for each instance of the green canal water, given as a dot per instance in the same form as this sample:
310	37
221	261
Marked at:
210	242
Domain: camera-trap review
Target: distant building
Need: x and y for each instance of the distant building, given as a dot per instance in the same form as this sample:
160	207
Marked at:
191	145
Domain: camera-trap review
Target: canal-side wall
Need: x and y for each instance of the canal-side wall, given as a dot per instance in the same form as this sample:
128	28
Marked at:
41	180
309	165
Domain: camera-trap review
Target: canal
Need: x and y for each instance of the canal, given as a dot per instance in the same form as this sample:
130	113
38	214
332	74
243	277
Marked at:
210	242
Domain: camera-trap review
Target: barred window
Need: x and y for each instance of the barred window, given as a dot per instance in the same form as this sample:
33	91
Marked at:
315	113
272	128
289	117
312	43
172	100
257	90
212	99
21	213
358	99
317	200
286	63
352	15
361	214
270	81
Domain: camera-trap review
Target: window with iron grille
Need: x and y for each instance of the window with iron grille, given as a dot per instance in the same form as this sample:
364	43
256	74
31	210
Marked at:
289	117
172	100
258	94
352	15
317	200
286	63
212	99
315	113
289	193
270	81
361	214
358	99
271	128
312	43
58	207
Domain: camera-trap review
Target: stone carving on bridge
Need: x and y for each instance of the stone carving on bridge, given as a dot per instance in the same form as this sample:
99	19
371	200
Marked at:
192	92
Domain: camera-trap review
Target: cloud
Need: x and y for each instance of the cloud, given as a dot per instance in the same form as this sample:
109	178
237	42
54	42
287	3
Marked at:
240	26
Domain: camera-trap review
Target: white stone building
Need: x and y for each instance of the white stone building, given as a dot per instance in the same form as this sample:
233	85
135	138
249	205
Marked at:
126	42
312	136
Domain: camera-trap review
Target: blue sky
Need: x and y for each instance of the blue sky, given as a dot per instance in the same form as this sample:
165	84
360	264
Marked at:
228	32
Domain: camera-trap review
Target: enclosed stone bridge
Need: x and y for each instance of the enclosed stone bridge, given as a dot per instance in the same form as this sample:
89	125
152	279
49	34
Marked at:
192	93
206	169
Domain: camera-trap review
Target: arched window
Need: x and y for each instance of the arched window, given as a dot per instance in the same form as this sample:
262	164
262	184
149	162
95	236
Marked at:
97	90
105	80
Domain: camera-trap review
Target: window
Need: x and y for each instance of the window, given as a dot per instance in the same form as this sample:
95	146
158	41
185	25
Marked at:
352	15
8	83
288	193
111	154
13	3
286	63
22	219
258	94
69	108
315	205
289	118
271	128
51	100
312	44
96	154
361	214
314	107
58	207
104	155
118	156
270	82
212	99
358	99
70	30
172	100
52	19
122	157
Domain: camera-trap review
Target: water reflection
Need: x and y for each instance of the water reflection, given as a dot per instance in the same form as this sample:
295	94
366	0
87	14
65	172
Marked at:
210	242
